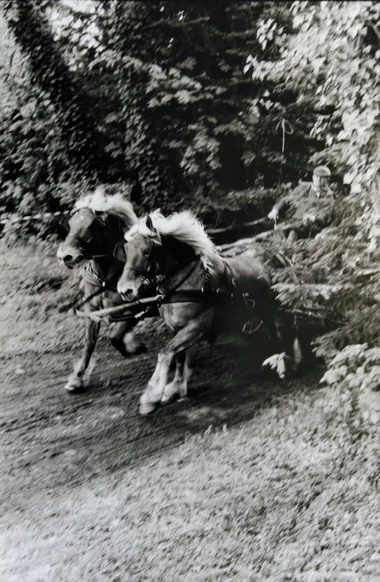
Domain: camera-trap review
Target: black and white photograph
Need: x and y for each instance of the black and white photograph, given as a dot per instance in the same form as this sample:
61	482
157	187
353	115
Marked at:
189	291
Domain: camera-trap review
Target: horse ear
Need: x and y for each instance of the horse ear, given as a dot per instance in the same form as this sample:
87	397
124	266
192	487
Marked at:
155	236
149	223
119	253
64	223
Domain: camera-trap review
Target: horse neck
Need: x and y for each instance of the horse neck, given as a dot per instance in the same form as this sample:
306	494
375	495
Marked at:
105	267
175	258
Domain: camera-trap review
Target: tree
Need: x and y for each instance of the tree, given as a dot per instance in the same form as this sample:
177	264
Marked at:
49	71
183	112
335	68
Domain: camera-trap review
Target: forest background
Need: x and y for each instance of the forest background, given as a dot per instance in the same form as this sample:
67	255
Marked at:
216	106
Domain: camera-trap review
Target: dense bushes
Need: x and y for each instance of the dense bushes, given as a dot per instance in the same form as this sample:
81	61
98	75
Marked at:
155	95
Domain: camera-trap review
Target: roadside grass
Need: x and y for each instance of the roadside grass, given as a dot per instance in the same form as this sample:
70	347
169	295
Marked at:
287	496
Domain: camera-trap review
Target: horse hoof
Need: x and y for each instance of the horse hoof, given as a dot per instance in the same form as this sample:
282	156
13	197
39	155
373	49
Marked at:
168	399
170	395
74	389
148	407
150	399
74	385
127	350
138	349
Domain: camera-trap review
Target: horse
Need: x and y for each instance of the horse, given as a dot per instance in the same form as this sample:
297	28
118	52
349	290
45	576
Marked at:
177	255
96	227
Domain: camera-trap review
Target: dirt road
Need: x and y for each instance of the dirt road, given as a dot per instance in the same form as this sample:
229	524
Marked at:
83	471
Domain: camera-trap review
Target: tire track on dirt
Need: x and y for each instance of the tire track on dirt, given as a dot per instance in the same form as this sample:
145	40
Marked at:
71	439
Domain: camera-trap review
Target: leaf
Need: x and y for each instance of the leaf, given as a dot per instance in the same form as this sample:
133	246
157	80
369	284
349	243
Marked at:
333	376
183	96
277	363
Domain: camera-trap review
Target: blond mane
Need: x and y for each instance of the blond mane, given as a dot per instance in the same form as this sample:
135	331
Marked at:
184	227
99	201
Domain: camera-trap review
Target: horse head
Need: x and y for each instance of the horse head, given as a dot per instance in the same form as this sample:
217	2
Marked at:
91	234
143	242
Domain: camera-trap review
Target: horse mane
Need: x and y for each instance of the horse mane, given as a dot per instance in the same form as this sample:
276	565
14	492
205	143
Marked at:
183	227
99	201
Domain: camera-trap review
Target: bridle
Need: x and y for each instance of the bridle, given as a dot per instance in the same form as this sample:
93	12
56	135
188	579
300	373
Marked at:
151	278
146	280
84	244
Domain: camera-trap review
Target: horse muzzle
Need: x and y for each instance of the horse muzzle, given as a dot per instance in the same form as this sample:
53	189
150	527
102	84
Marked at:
127	290
69	257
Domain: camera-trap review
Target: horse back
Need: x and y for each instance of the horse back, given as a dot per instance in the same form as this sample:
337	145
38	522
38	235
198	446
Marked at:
248	272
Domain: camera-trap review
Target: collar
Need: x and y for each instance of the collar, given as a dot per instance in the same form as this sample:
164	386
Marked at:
163	279
90	276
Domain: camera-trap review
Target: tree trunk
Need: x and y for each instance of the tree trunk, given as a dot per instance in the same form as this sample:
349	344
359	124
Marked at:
52	75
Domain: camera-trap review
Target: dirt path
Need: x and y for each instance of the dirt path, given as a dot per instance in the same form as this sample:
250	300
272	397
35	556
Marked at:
68	438
63	452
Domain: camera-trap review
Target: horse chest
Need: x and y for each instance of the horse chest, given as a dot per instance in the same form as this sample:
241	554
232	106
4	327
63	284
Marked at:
178	315
104	299
111	299
172	318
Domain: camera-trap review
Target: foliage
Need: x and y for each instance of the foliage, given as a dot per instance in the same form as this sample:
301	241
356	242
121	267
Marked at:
215	106
334	69
222	135
34	166
173	105
48	70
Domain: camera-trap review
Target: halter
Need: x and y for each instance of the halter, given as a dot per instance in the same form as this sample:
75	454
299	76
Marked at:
145	280
83	244
151	277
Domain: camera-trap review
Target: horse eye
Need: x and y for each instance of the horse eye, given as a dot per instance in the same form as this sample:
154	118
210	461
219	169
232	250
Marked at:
146	252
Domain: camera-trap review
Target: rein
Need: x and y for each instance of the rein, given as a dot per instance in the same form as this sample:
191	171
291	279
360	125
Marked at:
149	305
103	285
164	296
161	298
94	279
184	296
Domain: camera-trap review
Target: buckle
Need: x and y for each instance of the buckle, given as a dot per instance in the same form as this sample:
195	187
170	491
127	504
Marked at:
160	298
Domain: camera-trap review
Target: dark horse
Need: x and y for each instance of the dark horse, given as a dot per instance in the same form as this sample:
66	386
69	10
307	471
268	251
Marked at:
96	228
176	252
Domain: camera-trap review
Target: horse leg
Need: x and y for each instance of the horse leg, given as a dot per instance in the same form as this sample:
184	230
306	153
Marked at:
125	340
76	380
297	349
278	360
282	341
194	331
178	387
271	324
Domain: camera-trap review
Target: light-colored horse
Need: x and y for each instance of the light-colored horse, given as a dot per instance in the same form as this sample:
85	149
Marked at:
96	227
176	252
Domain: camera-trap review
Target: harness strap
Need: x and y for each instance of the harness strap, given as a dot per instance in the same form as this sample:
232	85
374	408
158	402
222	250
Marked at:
94	279
229	275
86	299
103	285
170	292
151	304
